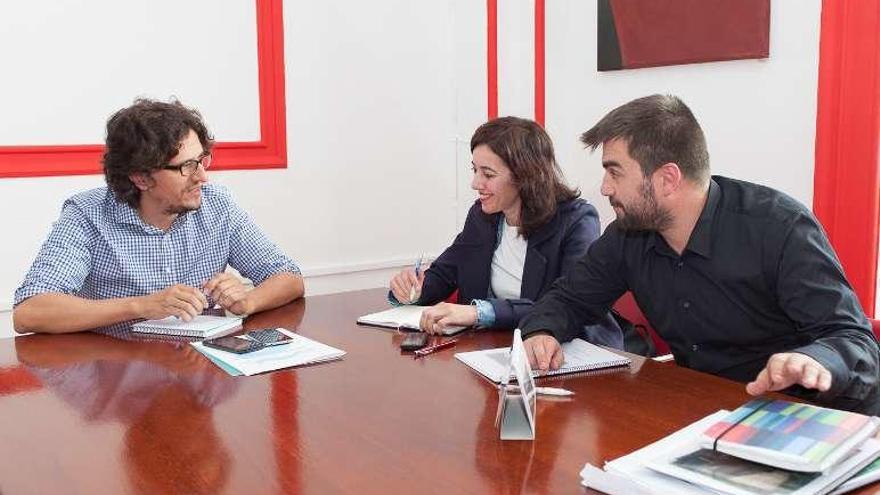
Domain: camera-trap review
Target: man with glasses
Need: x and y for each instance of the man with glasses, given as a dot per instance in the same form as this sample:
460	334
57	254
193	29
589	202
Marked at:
156	241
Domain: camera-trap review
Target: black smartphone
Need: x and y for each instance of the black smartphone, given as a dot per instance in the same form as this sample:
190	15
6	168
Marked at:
269	336
414	341
234	344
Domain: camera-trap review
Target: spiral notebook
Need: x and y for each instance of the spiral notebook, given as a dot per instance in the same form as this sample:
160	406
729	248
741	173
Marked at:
580	355
201	327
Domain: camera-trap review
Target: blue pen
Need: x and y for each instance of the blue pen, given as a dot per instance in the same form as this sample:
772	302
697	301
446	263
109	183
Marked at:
418	269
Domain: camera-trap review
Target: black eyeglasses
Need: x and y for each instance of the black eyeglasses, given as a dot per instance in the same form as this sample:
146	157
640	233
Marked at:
190	166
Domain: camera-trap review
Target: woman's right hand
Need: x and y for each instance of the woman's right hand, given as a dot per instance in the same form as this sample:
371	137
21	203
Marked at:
406	286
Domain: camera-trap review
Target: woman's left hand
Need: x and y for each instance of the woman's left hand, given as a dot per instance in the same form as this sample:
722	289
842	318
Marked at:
436	318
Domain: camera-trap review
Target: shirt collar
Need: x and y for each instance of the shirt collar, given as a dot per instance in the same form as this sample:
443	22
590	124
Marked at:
125	214
700	241
701	237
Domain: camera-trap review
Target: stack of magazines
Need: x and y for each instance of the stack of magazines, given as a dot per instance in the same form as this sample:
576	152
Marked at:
763	447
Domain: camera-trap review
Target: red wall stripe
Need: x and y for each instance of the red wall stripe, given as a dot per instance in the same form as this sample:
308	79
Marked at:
540	64
846	196
269	152
492	57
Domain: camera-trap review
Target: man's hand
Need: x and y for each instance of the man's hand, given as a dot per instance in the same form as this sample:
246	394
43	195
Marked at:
790	368
544	352
435	319
229	292
179	300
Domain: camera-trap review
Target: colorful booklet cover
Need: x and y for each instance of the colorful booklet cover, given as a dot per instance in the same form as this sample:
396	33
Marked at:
789	435
726	474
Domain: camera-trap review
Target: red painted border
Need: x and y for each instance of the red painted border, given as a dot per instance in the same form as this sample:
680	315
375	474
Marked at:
540	64
269	152
846	195
492	57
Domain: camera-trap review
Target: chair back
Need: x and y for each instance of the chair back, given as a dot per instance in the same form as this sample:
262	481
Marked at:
629	309
875	326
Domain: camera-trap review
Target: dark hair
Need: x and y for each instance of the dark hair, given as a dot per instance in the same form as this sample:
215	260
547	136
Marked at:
657	129
528	152
145	137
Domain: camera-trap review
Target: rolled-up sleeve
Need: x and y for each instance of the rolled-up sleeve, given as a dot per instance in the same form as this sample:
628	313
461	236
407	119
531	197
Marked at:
252	253
64	260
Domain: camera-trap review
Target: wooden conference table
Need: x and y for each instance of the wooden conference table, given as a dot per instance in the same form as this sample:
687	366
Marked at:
87	414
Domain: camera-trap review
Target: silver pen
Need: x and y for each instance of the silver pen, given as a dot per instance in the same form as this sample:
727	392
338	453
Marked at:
559	392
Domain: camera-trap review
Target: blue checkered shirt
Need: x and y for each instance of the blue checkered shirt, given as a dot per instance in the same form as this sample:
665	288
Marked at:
100	248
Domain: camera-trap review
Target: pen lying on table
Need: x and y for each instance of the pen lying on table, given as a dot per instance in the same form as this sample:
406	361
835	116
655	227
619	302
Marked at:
434	348
561	392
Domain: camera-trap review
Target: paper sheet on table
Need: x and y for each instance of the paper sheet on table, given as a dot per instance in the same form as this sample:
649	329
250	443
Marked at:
300	351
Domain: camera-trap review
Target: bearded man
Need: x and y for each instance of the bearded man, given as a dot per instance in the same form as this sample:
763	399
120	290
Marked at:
739	279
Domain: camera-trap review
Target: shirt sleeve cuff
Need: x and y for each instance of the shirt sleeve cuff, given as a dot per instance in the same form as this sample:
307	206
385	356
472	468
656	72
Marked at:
485	313
831	360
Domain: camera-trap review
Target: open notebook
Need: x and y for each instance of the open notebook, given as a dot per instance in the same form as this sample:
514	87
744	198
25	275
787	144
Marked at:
580	355
202	326
401	317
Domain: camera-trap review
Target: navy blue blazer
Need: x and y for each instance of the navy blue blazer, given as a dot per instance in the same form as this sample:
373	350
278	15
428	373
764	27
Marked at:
552	250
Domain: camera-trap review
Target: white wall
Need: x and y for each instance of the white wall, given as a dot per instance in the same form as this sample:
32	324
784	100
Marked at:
382	97
372	137
758	115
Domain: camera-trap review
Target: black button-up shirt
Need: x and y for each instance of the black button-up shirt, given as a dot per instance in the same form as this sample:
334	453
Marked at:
758	277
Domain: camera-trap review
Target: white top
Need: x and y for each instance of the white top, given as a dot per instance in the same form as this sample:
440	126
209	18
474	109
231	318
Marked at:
508	263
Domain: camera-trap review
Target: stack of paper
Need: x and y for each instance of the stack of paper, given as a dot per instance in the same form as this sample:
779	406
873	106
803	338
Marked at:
299	351
679	464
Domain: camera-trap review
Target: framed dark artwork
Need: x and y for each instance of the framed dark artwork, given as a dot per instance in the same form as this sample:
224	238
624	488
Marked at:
650	33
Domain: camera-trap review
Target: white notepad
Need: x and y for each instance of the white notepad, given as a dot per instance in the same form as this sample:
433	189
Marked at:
202	326
402	317
580	355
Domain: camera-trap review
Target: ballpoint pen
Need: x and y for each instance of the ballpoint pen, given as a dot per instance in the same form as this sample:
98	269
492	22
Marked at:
417	268
434	348
561	392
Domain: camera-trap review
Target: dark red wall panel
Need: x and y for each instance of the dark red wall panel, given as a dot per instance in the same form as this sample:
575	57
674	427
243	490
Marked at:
669	32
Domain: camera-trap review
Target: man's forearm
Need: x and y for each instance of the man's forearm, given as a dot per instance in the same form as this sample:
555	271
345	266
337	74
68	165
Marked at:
275	291
62	313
